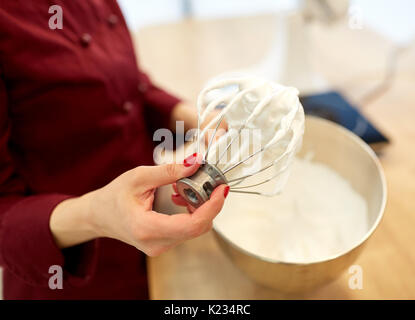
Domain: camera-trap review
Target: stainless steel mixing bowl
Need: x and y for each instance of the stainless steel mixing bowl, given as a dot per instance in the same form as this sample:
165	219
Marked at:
353	159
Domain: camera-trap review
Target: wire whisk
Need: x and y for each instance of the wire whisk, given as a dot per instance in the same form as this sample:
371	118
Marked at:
265	128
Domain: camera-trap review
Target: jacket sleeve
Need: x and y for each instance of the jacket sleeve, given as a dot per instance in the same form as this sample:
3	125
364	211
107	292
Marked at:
158	103
27	246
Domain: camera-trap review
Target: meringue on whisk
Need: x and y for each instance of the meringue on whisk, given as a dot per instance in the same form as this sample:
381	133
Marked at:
265	129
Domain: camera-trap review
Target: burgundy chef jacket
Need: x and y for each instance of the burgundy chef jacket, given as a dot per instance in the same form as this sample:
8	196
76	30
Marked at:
75	112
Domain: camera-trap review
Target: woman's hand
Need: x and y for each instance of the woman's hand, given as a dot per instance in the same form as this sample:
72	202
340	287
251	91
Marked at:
188	114
123	210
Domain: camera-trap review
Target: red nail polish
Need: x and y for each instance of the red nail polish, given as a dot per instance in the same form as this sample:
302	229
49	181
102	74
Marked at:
190	160
175	195
225	193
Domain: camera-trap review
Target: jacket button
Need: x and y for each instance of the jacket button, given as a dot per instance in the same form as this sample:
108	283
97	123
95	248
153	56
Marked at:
112	20
128	106
142	87
86	39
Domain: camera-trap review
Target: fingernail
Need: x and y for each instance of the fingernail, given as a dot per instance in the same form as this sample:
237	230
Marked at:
175	195
190	160
225	193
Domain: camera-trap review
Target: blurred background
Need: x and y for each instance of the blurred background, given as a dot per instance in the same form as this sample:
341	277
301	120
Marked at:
292	46
359	54
354	63
391	18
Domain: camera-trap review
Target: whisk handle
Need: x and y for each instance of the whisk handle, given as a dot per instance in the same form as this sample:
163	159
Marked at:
197	188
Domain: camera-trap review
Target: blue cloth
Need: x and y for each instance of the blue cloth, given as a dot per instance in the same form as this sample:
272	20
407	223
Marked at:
334	107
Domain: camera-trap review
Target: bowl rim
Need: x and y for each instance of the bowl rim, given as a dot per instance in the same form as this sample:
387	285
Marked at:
367	235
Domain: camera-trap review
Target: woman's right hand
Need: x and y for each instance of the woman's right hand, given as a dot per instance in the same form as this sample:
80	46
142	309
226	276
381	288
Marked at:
123	210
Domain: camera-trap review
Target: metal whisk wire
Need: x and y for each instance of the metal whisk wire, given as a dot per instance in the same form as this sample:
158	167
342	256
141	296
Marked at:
219	118
252	97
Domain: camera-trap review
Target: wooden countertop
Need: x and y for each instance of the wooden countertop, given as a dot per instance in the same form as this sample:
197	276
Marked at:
182	56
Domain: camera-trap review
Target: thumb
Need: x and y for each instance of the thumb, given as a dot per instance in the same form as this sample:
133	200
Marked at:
210	209
156	176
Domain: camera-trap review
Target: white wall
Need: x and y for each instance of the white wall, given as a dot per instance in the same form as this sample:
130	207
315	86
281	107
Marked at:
228	8
391	18
394	19
139	13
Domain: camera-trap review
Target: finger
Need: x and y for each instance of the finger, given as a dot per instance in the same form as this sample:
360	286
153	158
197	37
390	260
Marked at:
156	176
190	208
200	220
178	200
217	134
186	226
224	125
209	210
174	185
